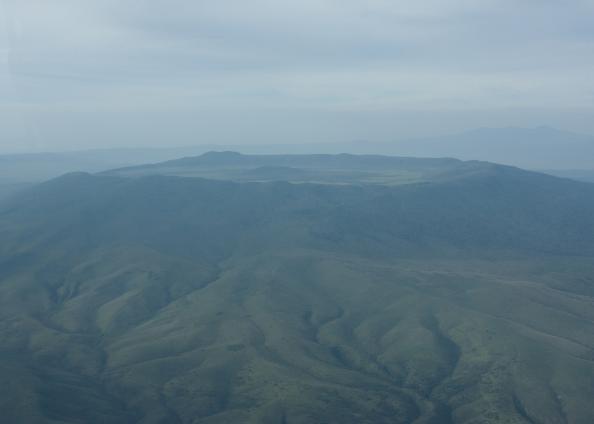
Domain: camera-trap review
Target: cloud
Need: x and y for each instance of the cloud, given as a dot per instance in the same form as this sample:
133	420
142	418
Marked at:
135	57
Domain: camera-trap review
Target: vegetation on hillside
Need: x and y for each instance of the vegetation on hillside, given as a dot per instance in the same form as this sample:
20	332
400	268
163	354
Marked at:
463	298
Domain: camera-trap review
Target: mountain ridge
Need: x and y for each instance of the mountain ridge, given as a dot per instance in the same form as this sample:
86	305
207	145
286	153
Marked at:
157	299
318	168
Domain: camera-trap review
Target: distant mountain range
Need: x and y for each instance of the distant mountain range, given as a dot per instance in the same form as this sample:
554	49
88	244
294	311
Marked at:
541	148
317	168
531	148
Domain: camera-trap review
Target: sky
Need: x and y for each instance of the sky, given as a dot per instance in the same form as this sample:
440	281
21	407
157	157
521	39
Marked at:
79	74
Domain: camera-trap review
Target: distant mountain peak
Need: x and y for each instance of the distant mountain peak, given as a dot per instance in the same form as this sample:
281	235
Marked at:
226	154
214	158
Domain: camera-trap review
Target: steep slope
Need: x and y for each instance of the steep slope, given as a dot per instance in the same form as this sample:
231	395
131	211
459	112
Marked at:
164	299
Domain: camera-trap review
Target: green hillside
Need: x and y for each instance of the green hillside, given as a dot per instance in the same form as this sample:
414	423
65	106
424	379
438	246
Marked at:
464	294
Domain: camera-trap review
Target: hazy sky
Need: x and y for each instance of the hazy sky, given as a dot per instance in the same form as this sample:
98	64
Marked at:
79	73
